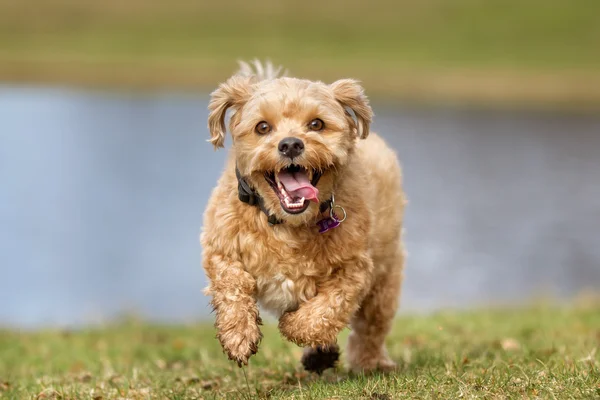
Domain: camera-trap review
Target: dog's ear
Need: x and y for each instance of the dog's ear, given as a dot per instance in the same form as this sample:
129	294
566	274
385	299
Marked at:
350	94
234	93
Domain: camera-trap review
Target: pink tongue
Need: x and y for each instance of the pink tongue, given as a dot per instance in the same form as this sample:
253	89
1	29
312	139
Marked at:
297	185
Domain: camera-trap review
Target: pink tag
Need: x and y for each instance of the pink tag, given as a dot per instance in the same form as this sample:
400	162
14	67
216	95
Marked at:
328	223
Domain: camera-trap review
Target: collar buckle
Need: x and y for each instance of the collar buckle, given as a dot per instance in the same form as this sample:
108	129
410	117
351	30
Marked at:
247	195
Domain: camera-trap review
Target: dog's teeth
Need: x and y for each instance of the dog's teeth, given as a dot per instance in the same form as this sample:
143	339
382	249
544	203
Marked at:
290	203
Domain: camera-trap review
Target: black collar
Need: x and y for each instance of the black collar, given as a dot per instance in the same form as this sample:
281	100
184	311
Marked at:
249	196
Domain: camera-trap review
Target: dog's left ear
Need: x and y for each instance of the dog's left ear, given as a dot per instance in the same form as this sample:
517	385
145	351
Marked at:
350	94
234	93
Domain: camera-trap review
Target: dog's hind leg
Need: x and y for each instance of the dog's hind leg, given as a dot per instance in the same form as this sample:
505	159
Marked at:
366	344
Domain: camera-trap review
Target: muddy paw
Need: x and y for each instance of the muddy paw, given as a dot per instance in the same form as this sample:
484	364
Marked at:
321	358
240	346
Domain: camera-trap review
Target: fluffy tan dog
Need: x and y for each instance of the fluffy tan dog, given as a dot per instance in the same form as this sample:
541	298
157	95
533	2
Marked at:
296	155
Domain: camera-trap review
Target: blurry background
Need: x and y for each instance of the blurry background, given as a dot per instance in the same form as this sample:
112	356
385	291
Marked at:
104	169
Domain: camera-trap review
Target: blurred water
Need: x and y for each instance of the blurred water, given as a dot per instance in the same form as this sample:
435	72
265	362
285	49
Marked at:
102	194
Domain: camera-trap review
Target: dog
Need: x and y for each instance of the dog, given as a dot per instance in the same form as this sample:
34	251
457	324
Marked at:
305	220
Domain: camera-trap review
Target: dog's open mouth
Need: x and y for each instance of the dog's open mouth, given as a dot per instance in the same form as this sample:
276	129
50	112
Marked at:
295	186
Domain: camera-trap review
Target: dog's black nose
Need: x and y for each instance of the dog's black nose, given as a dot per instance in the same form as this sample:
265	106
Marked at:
291	147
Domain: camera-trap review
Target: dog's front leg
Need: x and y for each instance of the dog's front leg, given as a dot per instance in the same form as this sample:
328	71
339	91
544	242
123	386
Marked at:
233	298
318	321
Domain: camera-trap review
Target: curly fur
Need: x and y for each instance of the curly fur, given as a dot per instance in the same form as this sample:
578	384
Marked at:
316	284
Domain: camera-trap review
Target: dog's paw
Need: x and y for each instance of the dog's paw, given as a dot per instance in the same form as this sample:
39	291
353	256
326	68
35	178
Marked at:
241	345
303	330
382	365
320	358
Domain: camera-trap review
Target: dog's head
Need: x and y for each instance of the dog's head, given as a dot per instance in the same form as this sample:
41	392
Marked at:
291	137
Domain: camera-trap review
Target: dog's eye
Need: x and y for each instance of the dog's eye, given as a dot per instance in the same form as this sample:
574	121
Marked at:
263	128
316	125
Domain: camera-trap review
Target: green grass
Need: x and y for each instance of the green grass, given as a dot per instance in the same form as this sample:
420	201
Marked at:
495	50
537	352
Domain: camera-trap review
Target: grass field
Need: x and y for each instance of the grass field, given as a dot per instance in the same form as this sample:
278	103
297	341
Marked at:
497	51
537	352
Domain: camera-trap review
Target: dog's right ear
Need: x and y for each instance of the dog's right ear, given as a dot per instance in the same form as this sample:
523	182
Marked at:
234	93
